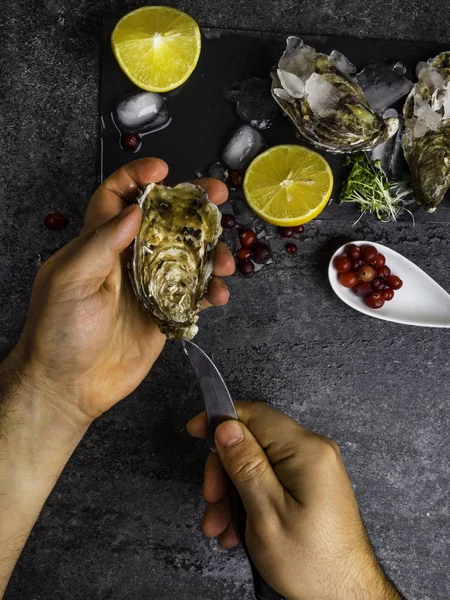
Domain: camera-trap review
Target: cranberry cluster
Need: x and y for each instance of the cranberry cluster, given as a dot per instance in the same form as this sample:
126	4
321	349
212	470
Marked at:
364	270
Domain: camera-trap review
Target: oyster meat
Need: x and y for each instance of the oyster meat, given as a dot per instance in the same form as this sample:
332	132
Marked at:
426	142
324	103
173	255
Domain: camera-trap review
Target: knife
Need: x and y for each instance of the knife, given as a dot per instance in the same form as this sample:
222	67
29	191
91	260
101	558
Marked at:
219	408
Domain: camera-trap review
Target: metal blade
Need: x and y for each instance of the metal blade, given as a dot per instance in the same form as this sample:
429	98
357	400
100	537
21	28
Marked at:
218	403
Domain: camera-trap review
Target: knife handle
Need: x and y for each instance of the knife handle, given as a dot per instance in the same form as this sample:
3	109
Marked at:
262	590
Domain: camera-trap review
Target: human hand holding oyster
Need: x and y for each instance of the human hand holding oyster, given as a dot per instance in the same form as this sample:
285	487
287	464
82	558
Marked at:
87	340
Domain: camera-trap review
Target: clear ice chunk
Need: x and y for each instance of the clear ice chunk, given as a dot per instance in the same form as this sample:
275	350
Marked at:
342	63
254	102
295	67
382	85
245	144
141	112
430	76
245	217
217	171
390	154
323	97
400	68
426	117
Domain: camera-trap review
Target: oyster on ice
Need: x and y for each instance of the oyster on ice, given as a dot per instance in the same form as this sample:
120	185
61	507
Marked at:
426	143
324	103
173	255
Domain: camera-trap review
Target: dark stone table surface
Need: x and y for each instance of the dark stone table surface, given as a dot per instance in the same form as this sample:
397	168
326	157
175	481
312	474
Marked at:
122	522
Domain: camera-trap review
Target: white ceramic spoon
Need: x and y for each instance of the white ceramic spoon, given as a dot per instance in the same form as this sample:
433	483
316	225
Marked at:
421	301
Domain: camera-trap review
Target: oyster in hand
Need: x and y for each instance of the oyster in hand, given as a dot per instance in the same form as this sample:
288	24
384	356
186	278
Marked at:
426	143
173	255
324	103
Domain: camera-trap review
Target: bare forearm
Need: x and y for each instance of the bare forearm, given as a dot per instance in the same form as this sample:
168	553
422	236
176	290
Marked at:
36	440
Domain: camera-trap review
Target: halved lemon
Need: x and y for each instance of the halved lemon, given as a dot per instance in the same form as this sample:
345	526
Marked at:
157	47
288	185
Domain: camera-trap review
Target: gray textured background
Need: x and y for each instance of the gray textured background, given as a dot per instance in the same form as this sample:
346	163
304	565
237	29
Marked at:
122	522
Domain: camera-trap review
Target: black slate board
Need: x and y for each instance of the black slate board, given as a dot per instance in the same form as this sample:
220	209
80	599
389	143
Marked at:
203	118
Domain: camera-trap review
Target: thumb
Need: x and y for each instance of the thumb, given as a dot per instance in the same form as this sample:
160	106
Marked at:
249	469
99	250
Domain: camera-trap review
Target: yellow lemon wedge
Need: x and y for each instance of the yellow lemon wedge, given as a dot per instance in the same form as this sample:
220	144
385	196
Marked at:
288	185
157	47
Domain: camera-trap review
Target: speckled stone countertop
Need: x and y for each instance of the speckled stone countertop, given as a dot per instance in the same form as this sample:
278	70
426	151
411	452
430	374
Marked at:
122	522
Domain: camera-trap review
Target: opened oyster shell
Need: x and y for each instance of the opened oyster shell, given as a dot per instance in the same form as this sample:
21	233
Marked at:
325	104
173	255
426	143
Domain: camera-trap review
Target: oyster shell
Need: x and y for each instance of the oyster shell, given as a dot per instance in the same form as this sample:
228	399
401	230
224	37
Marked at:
426	143
325	104
173	255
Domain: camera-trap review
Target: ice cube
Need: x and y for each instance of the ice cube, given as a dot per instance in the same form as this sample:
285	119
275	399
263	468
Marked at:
342	63
245	217
216	171
283	95
427	118
292	83
390	154
245	144
141	112
254	102
296	65
323	98
382	85
400	68
430	76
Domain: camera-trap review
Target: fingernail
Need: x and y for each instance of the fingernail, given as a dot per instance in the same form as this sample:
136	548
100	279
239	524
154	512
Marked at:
126	211
228	434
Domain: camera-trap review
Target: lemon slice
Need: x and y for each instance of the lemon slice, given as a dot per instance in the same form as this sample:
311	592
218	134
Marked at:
288	185
157	47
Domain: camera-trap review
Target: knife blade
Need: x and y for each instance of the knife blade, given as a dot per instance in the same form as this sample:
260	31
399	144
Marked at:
218	403
219	408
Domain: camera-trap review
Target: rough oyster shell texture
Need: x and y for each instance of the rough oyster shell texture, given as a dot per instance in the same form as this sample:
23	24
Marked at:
426	143
173	255
326	106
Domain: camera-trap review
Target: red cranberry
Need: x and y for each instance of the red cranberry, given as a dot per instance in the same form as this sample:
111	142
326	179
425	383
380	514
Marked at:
367	273
235	179
380	261
394	282
246	267
375	300
247	237
342	264
369	254
130	141
244	254
228	221
384	272
260	253
378	284
348	279
353	251
357	263
286	232
388	294
55	221
291	248
363	288
298	229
